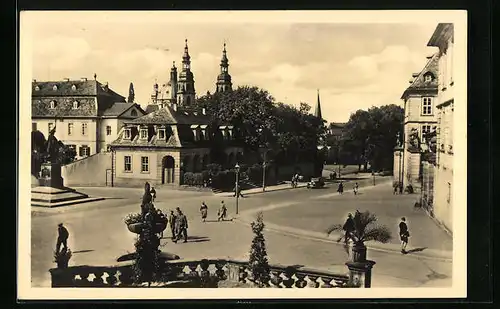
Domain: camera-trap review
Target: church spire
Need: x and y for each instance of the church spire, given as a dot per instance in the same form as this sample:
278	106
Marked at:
224	79
186	93
317	111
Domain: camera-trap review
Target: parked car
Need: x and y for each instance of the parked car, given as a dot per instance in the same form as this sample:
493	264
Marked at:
316	183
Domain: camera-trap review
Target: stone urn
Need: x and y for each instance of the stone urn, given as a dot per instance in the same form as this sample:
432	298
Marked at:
358	252
136	228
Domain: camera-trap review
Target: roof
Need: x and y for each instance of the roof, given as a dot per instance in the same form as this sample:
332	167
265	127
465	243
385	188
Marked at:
151	108
167	115
65	88
443	32
419	84
118	108
338	124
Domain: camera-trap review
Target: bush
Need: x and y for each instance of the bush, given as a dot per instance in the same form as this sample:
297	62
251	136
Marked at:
213	168
147	258
188	178
258	262
194	179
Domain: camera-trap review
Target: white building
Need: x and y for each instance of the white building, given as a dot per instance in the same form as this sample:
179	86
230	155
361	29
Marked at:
443	181
87	114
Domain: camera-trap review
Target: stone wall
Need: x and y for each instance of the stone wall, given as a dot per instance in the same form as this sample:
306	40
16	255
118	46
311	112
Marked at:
90	171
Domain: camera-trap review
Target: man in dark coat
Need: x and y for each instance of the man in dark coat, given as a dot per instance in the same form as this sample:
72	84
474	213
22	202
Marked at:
62	238
348	228
171	220
404	233
181	226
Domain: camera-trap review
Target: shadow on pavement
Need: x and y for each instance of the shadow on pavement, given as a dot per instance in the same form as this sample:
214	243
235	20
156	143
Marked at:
198	239
82	251
164	255
416	250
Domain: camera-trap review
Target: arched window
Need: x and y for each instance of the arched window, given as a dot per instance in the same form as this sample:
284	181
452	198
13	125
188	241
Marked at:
133	113
428	77
37	88
52	104
73	87
76	105
54	88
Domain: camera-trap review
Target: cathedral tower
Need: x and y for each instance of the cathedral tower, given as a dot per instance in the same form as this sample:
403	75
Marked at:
173	83
185	84
317	111
224	83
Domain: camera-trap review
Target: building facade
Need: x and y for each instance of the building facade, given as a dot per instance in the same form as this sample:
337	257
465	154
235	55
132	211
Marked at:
87	115
443	178
420	118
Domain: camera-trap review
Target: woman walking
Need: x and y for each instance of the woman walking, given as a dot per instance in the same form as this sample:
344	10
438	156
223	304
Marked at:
356	188
204	211
222	212
340	189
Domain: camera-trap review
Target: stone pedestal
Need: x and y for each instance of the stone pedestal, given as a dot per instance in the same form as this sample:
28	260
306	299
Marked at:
360	273
50	175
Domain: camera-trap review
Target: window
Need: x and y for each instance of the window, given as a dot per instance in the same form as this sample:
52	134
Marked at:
54	88
425	129
84	151
108	130
145	164
33	126
70	129
37	88
427	106
51	126
52	104
128	163
84	129
76	105
428	77
128	134
144	134
161	134
133	113
73	87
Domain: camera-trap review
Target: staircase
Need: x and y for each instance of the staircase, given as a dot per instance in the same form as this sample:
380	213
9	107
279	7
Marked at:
56	197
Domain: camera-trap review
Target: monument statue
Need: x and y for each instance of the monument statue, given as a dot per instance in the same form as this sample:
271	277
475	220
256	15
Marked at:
52	146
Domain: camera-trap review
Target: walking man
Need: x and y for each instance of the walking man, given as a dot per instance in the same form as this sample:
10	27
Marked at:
237	191
222	212
62	238
403	234
181	226
396	186
172	219
153	194
204	211
340	189
356	188
348	229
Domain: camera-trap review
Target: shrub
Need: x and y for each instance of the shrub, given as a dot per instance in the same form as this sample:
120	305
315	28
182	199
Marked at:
197	179
213	168
188	178
147	258
258	262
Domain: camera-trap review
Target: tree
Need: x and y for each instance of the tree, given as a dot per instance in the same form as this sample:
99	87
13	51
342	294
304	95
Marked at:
258	263
131	93
365	229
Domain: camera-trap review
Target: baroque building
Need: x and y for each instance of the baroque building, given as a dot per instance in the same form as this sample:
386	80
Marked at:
174	137
420	119
86	114
443	38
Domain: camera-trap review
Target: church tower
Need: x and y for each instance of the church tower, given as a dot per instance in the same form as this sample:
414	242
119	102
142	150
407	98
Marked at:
173	83
224	83
185	84
317	111
154	94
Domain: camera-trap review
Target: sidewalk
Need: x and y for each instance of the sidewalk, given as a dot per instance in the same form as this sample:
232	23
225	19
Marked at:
284	186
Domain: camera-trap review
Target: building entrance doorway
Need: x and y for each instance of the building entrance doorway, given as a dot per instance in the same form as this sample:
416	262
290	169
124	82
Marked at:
168	167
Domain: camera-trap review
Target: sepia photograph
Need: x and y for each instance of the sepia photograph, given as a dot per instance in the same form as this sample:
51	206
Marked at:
244	150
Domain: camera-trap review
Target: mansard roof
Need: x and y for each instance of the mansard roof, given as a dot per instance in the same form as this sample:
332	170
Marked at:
82	87
419	84
169	116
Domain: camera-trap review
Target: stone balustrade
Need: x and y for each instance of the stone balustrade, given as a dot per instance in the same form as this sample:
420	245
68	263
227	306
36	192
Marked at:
199	273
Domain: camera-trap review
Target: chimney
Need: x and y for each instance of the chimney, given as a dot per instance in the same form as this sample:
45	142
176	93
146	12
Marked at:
66	79
34	80
414	75
106	84
83	79
429	57
175	106
203	111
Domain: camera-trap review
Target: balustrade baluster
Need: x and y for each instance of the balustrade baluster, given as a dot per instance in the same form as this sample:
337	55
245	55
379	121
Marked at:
111	278
220	273
312	282
98	281
301	282
289	281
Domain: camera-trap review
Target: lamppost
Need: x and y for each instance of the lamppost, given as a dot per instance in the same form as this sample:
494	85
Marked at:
373	174
264	172
237	189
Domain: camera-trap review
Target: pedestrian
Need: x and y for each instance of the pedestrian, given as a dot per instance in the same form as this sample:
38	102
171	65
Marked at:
356	188
171	220
404	233
348	229
237	191
396	186
400	188
181	226
161	218
340	189
62	238
222	213
204	211
153	194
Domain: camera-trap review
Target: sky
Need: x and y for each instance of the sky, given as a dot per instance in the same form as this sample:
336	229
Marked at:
354	65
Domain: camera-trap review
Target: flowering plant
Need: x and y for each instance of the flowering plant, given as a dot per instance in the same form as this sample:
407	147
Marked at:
133	218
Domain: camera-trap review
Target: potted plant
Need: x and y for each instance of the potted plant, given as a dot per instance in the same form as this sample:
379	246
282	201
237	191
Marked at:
62	257
365	230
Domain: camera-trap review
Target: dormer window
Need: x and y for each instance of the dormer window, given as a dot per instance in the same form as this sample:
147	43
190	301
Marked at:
54	88
194	128
230	131
144	133
161	134
128	134
204	132
76	105
133	113
52	104
428	77
37	88
73	87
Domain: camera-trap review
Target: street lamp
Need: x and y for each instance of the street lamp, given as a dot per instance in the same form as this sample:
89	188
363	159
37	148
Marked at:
373	174
260	130
237	167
